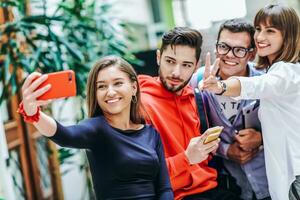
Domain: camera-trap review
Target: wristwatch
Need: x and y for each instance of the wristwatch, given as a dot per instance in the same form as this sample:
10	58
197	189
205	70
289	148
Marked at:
223	86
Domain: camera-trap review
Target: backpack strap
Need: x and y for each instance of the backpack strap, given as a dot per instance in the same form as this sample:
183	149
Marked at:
201	103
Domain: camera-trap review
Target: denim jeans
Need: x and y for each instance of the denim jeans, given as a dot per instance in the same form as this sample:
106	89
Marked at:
294	193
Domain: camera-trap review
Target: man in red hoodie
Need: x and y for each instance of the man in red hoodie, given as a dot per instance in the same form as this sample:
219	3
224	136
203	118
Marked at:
170	106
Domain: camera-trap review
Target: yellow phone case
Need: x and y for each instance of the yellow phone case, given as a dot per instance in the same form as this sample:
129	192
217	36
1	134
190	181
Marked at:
214	134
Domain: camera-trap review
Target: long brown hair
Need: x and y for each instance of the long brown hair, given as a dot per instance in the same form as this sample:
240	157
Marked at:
92	103
286	20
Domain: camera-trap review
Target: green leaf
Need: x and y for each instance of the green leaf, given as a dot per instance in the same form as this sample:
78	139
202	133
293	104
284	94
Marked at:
10	28
75	53
57	60
25	64
35	59
27	26
9	3
64	154
13	82
7	63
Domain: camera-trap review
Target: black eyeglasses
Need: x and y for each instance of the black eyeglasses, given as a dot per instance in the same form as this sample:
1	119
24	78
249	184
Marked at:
239	52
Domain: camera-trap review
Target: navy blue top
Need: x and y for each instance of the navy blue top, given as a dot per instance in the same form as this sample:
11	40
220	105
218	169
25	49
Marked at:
124	164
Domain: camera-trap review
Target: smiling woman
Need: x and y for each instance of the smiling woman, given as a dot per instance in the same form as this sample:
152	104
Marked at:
114	90
126	157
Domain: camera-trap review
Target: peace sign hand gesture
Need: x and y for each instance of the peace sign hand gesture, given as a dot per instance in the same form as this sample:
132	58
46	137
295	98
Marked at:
210	81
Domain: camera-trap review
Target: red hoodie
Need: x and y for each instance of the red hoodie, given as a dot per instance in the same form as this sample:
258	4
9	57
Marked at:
176	119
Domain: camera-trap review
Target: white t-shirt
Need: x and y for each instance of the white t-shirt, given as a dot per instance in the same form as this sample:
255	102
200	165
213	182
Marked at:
229	106
279	113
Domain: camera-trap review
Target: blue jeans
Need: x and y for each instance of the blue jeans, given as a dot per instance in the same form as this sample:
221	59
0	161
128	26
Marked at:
294	193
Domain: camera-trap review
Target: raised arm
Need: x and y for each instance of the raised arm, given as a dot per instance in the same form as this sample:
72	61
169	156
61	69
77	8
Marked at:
45	125
76	136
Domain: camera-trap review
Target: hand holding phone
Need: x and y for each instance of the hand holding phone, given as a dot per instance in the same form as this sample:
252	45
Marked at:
199	147
62	85
38	88
213	134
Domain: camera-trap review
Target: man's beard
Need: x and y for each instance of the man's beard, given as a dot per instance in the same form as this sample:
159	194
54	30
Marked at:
173	88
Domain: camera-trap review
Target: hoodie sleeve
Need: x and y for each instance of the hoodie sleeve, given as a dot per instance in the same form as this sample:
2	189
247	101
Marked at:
177	164
186	176
178	167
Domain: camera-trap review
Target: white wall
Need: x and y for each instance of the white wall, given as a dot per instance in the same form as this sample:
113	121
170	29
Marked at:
6	184
136	11
201	14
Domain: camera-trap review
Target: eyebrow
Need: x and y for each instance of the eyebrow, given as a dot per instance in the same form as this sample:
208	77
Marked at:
185	62
232	46
267	26
270	27
169	57
188	62
116	79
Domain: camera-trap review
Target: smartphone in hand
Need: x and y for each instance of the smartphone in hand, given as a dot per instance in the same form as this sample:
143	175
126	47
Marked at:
214	133
62	85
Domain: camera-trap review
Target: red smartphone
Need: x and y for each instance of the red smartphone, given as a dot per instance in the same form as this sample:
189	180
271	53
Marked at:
62	85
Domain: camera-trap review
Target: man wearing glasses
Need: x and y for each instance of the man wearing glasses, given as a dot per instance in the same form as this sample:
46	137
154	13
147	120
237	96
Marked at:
242	166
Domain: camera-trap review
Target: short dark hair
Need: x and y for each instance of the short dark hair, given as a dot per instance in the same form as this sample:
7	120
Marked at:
238	25
182	36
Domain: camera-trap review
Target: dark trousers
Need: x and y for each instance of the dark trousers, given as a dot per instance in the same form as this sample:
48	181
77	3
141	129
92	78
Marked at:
214	194
267	198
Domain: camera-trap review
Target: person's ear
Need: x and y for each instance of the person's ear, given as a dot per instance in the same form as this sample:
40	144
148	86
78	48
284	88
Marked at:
158	57
134	88
198	65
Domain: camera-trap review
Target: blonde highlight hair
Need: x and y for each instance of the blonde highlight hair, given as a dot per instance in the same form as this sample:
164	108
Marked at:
92	103
286	20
